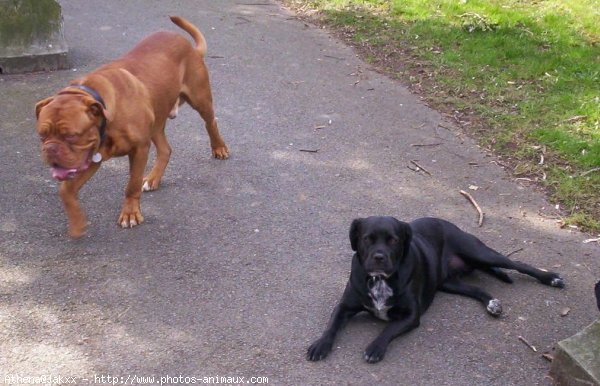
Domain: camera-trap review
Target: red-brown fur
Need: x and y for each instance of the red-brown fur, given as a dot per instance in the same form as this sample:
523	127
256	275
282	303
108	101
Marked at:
140	90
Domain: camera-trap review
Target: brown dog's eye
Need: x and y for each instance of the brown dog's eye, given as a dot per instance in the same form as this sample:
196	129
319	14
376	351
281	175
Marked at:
71	137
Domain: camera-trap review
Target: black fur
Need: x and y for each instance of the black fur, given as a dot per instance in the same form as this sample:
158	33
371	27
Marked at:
598	294
415	261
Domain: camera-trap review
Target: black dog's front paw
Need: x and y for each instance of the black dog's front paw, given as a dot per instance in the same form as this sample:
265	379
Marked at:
558	282
319	349
375	352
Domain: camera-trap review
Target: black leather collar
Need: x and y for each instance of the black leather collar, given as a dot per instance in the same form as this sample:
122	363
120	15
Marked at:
94	94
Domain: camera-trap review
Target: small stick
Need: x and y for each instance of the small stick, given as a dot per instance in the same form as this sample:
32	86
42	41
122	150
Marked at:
589	171
424	144
244	20
527	343
591	240
414	170
420	167
515	251
548	357
309	151
474	203
333	57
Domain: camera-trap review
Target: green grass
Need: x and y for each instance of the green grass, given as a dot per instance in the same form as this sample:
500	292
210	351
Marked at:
527	72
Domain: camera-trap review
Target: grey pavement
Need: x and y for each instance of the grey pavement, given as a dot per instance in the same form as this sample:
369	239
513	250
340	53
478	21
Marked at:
240	262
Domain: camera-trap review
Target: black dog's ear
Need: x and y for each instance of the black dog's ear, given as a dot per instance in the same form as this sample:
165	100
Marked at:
354	233
404	233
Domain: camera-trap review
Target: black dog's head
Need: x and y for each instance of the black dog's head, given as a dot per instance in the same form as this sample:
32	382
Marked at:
381	243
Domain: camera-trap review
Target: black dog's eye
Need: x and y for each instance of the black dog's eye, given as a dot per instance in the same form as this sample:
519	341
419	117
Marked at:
393	241
367	239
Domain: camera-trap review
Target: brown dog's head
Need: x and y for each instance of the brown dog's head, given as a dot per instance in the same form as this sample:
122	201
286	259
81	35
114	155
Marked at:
381	243
68	125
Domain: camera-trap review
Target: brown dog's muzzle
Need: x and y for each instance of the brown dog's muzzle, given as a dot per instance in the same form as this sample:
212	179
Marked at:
64	164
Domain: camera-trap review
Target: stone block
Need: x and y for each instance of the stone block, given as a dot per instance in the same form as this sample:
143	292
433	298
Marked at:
31	36
577	359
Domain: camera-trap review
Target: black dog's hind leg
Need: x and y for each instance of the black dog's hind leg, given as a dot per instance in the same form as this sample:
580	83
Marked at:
545	277
480	256
498	274
455	286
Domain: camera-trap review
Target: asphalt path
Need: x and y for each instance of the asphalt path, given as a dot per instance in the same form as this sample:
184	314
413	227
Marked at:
240	262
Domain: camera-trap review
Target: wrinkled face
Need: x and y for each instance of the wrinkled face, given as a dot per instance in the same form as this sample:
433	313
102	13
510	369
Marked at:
67	126
380	243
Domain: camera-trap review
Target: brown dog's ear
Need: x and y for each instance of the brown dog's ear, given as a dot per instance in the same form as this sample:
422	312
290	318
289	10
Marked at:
355	233
98	110
40	104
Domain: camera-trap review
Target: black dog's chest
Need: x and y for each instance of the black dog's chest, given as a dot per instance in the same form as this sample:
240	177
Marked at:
380	294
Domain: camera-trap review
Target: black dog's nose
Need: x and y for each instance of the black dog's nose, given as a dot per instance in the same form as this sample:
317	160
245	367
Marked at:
379	257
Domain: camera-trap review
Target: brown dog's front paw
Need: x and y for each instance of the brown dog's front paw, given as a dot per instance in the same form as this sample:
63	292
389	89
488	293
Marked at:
77	220
129	220
131	214
150	184
77	230
221	152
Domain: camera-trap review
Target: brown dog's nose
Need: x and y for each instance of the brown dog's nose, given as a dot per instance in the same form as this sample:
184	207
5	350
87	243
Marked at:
52	149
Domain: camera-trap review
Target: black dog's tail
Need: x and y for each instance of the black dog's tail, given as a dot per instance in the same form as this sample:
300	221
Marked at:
598	294
499	274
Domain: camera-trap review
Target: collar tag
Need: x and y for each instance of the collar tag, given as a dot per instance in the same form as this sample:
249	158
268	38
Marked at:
97	157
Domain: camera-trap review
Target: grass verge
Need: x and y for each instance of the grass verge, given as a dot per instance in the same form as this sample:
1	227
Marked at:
522	76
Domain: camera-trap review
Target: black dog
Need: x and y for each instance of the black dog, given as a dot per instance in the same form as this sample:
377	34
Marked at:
397	269
597	289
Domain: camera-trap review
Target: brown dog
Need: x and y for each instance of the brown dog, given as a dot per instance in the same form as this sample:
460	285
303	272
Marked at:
121	108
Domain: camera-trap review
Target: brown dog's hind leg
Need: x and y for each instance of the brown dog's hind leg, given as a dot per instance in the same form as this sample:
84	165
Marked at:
200	98
217	144
163	153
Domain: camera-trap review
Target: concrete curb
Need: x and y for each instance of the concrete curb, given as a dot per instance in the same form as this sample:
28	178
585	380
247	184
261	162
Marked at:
577	361
31	36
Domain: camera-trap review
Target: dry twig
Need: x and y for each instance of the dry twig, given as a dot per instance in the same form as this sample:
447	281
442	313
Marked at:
420	167
474	203
515	251
527	343
548	357
424	144
589	171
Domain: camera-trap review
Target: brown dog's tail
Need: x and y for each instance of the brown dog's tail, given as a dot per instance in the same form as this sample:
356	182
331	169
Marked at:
192	30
